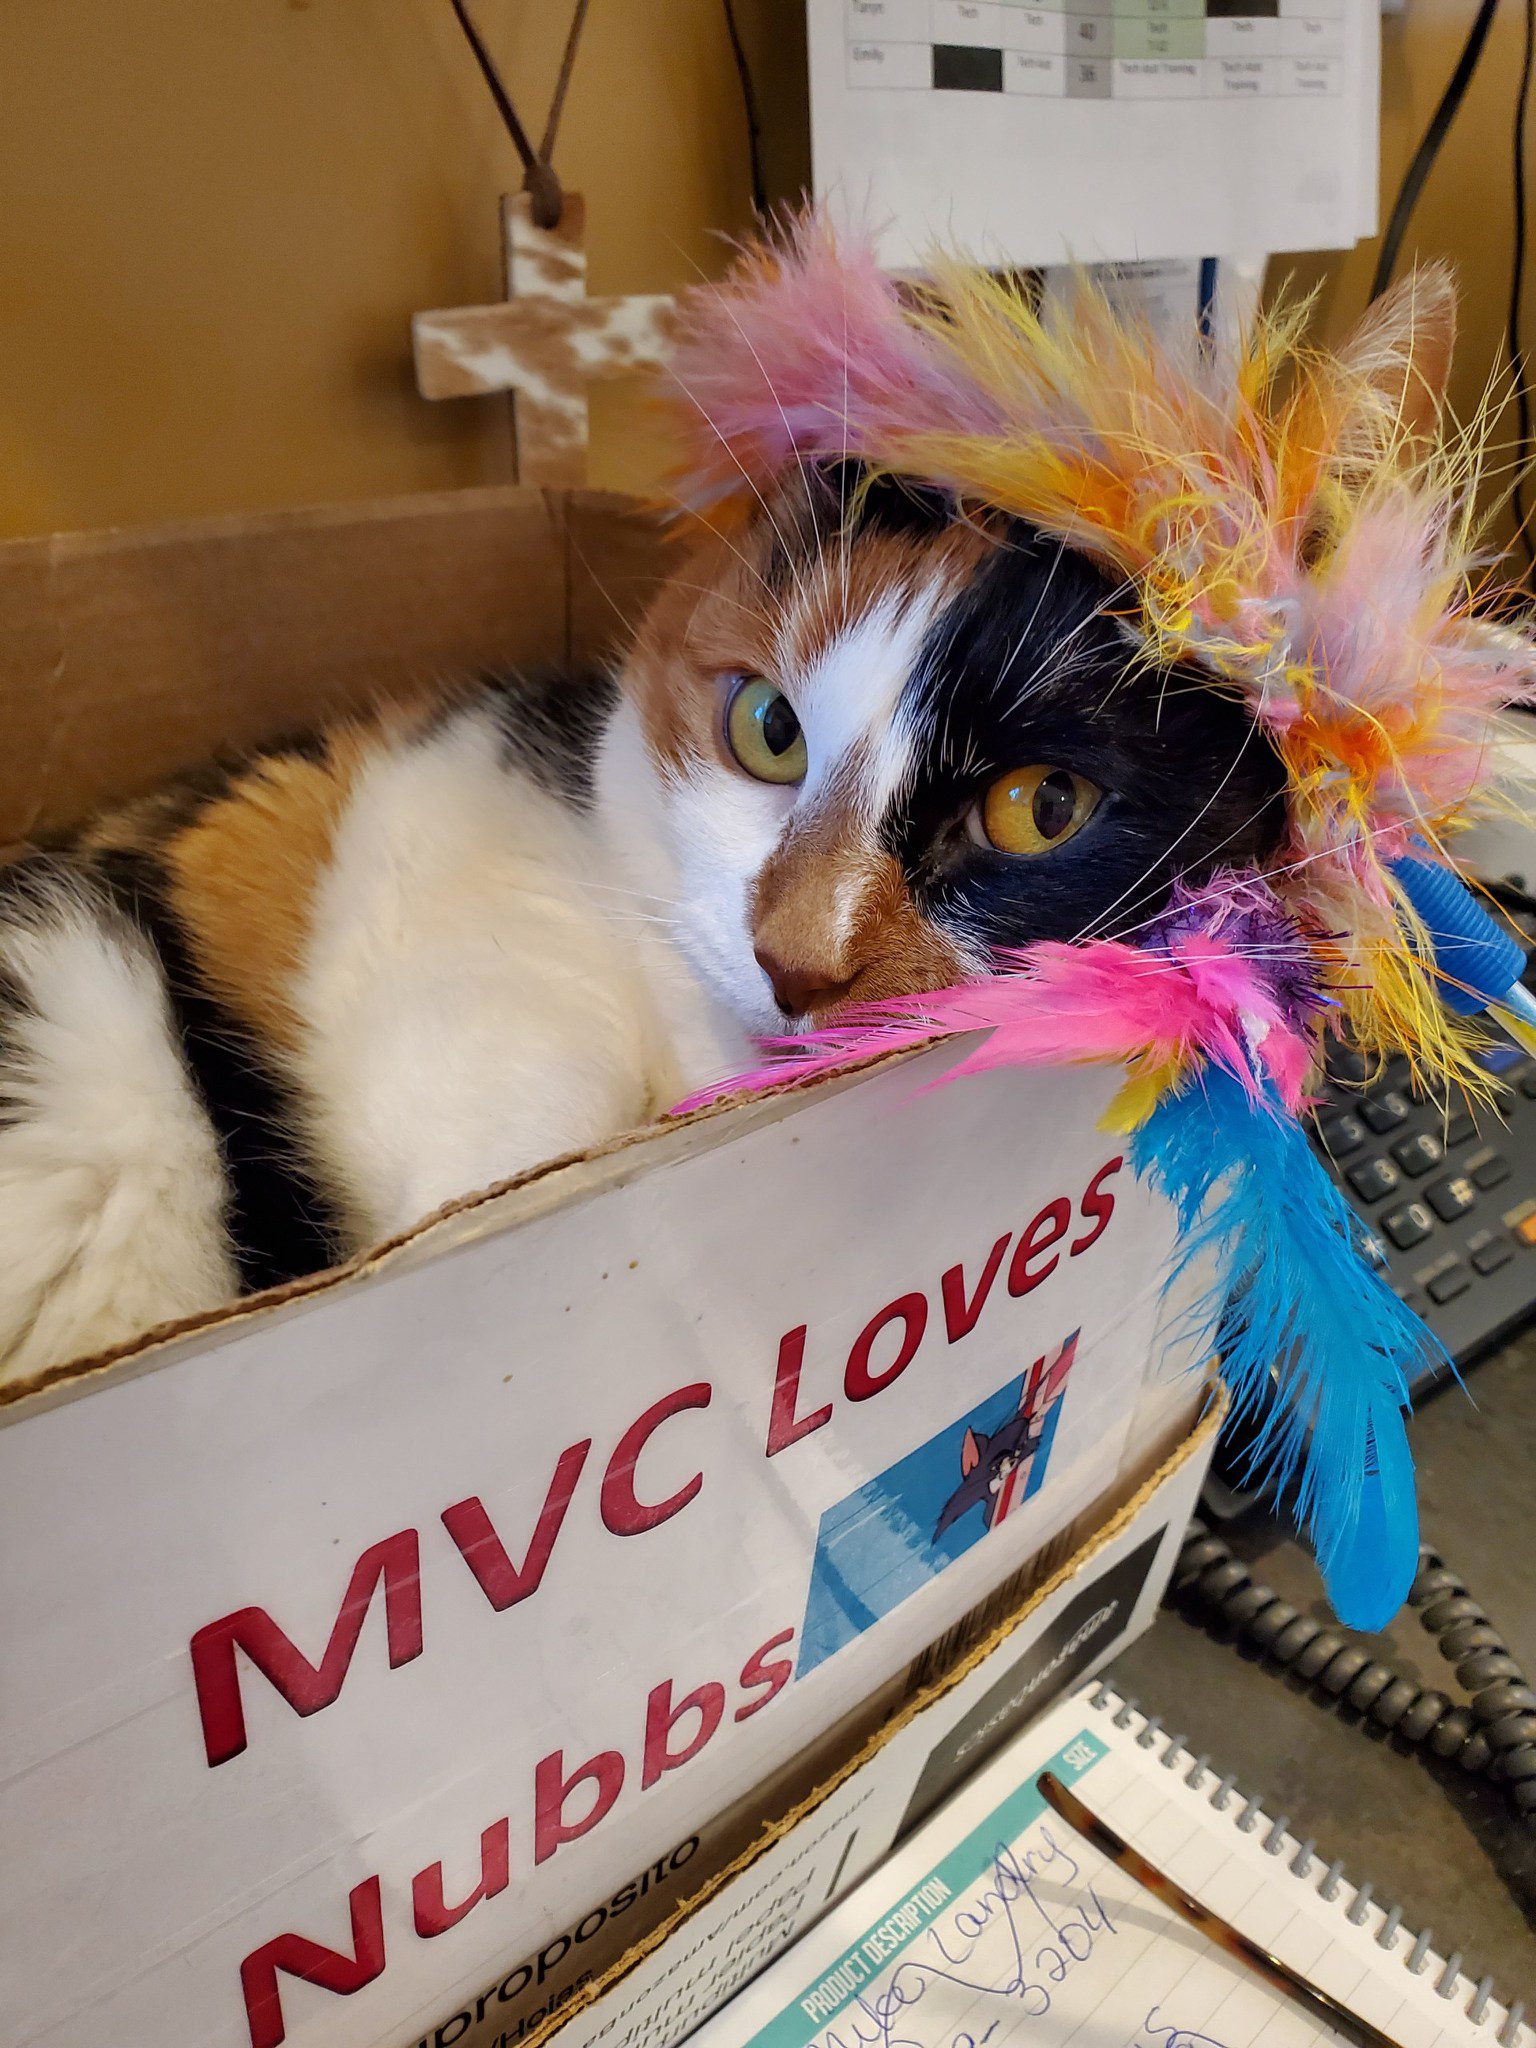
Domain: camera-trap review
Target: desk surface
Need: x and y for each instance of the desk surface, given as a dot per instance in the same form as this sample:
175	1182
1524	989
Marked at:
1447	1849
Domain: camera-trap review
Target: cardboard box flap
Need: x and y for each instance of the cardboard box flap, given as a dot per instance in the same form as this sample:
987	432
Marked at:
127	656
480	1213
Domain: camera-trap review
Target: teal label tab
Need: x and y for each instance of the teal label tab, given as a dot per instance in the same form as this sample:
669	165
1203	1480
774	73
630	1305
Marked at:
862	1963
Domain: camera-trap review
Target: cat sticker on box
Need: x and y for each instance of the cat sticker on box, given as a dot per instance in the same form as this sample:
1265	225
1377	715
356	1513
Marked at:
899	1530
1001	1470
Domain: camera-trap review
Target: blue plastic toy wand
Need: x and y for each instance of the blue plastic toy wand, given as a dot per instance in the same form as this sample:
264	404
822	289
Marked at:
1478	964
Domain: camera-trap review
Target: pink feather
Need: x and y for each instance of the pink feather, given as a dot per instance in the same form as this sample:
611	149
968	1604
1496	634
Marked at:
796	349
1103	1001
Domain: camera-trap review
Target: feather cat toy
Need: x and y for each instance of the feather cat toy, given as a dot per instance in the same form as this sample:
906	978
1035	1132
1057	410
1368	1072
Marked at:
1292	526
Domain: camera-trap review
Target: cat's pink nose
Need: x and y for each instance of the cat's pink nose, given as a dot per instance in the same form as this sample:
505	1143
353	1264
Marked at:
799	990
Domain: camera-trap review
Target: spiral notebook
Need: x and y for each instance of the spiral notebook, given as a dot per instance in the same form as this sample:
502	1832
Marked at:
996	1925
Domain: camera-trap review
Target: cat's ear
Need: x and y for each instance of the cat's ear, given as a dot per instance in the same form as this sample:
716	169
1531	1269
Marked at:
1399	356
970	1454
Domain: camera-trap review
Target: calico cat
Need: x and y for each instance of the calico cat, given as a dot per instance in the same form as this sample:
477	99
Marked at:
290	1006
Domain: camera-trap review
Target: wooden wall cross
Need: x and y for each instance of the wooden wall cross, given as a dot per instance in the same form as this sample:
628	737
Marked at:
544	344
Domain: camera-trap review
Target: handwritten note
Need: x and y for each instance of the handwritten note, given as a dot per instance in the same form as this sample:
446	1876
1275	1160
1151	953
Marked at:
997	1924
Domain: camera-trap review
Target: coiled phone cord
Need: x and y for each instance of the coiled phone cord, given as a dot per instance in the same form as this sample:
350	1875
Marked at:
1493	1733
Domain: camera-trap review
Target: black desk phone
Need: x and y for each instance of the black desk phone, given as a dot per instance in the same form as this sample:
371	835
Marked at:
1446	1199
1445	1193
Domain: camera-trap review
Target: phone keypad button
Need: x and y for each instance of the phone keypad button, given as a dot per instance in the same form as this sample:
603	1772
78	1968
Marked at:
1410	1224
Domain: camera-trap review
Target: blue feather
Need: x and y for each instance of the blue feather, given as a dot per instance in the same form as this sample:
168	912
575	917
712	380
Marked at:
1316	1350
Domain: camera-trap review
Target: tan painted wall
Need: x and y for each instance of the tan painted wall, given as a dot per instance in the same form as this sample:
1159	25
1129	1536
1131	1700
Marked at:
219	215
1465	212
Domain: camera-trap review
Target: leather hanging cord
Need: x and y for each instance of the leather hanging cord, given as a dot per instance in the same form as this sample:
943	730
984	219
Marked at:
539	181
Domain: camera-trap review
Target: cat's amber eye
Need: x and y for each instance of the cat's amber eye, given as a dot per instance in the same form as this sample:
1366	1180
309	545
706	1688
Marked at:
763	733
1034	810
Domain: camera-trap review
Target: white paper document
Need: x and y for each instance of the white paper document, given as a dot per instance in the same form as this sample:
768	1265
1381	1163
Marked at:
1042	131
997	1924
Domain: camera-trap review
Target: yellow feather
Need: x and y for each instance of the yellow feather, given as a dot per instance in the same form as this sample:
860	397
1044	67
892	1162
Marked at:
1138	1095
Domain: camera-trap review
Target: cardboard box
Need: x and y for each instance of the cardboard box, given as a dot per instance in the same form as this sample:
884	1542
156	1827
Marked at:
371	1632
129	654
586	1990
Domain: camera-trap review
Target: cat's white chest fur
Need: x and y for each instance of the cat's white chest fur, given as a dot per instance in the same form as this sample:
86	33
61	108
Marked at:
491	979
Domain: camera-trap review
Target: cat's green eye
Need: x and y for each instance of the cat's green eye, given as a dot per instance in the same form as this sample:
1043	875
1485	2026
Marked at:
763	733
1034	810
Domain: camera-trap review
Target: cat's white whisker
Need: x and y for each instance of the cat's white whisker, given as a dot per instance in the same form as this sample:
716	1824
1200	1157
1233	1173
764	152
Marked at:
714	531
772	390
1063	659
1097	924
1029	624
1221	894
754	612
751	483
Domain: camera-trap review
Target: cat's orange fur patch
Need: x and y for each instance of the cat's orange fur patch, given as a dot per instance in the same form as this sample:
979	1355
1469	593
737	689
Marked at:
241	877
707	621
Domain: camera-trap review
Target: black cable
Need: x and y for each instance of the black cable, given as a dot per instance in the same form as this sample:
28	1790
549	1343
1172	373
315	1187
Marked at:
546	200
749	105
563	80
1429	146
509	115
1517	292
1494	1733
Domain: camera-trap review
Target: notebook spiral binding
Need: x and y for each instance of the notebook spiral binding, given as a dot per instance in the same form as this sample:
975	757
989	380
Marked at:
1479	2001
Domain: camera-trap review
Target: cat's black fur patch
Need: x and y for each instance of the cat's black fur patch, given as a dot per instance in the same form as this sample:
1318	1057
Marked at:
842	501
884	504
279	1223
1031	665
551	721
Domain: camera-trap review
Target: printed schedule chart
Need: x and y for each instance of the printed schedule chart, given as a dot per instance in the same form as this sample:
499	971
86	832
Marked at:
1042	132
1098	49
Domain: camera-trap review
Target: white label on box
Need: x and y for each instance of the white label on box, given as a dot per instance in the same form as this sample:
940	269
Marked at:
753	1917
371	1645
